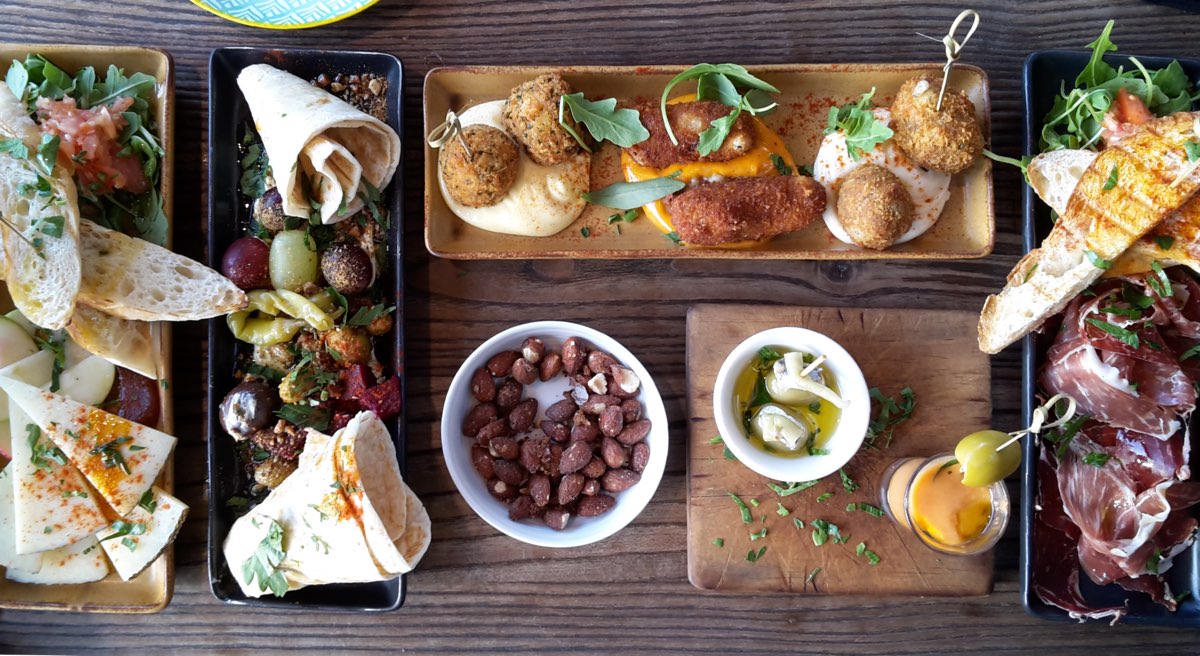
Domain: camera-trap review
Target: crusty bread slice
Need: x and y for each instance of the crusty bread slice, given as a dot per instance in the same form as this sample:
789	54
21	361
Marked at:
42	268
1055	174
130	278
1105	222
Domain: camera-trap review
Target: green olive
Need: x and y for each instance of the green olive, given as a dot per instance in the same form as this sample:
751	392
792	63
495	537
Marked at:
293	261
981	464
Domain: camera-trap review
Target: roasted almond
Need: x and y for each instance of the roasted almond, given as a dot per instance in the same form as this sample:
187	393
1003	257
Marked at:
501	363
524	372
534	453
478	417
509	395
634	432
631	410
495	428
539	489
612	453
511	473
521	417
532	349
639	457
482	462
556	518
561	411
555	430
520	508
573	355
483	386
594	506
619	480
504	447
550	366
611	421
569	488
575	457
595	468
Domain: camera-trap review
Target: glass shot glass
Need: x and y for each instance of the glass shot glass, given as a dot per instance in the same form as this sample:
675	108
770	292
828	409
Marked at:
927	496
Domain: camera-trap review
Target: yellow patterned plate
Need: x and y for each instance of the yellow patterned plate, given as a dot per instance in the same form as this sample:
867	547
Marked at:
284	14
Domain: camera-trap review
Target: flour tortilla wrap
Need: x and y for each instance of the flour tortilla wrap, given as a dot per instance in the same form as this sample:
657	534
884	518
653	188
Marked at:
42	281
309	133
345	514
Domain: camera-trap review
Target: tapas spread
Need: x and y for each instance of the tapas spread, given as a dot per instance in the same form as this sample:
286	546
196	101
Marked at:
1119	334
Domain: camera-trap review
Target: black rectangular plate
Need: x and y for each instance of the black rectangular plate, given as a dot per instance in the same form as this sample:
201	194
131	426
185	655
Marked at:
1045	70
229	216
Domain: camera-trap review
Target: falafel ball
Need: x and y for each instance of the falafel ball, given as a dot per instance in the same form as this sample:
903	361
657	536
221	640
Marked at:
484	180
531	116
873	207
948	141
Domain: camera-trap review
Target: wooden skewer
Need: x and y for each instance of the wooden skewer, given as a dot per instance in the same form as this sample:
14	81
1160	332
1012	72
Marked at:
16	231
1039	416
954	48
449	129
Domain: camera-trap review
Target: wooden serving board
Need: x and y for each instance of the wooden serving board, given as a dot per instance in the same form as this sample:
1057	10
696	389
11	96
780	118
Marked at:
931	351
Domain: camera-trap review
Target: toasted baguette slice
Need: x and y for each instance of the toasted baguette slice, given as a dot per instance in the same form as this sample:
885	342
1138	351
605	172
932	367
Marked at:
1104	221
130	344
87	435
1054	176
41	263
131	278
130	553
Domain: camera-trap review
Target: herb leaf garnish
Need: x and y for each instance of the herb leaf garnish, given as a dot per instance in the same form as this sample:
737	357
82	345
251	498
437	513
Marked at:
264	563
857	121
734	74
605	121
632	195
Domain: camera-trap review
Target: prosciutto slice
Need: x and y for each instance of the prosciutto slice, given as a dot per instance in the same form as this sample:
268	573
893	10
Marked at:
1142	388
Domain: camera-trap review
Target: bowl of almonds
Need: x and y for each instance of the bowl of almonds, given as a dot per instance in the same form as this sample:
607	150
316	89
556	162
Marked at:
554	434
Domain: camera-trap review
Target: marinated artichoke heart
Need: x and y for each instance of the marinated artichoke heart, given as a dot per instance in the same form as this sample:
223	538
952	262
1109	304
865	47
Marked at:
786	385
779	428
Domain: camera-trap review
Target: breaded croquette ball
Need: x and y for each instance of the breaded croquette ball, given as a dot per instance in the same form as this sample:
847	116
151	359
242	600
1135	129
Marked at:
948	141
873	207
484	179
531	117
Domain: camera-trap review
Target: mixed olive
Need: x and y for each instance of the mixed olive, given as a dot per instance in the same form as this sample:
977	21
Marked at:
982	459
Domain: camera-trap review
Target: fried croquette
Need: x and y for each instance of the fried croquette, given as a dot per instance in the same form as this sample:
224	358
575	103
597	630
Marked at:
484	179
688	120
873	207
948	141
531	116
741	209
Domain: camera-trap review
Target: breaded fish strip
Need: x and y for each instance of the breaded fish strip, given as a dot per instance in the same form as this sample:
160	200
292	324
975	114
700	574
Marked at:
688	120
740	209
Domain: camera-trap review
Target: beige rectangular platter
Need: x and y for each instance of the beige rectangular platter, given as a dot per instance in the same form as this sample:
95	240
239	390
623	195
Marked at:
151	590
966	228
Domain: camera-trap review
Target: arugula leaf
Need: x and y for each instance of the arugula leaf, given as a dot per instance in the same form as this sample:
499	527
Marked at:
365	315
17	79
734	74
605	122
632	195
305	415
715	86
1022	163
1097	71
264	563
1190	353
857	121
745	510
780	165
712	138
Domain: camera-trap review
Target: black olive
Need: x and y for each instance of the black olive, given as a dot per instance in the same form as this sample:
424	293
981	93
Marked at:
347	268
248	407
268	210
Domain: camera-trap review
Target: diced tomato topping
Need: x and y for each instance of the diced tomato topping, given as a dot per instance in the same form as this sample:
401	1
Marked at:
383	399
1127	113
89	144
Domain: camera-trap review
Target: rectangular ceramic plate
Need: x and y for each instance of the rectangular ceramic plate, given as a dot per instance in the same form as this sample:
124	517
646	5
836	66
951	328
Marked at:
966	228
1044	72
150	591
229	216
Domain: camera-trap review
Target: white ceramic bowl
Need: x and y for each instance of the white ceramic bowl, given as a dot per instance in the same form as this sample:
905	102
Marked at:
851	429
457	449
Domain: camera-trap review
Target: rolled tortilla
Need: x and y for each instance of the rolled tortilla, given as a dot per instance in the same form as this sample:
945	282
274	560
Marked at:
321	149
345	515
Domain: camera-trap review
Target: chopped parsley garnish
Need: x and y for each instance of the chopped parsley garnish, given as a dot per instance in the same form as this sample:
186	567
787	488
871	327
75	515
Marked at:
305	415
43	456
1165	242
825	497
1097	261
123	528
758	535
812	575
792	488
745	510
781	510
1113	175
148	502
719	542
753	556
848	483
366	315
890	415
798	522
110	453
1121	334
1159	282
1096	459
780	165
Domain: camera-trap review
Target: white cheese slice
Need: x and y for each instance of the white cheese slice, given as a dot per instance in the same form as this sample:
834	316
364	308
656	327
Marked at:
8	528
53	505
82	562
81	430
146	534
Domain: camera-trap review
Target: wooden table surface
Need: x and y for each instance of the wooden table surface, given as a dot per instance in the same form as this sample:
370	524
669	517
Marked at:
477	590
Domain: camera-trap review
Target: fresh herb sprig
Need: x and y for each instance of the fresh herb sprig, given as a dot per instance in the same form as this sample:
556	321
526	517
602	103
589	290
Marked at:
857	121
264	563
604	120
719	82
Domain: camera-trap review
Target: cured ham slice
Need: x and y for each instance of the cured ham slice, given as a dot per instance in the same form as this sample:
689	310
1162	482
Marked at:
1139	386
